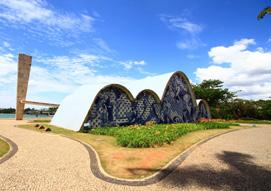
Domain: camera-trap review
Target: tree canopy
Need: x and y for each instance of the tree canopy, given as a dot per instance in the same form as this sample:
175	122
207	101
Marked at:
213	92
225	104
263	12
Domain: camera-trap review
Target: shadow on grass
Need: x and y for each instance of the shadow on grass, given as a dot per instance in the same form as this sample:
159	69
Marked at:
242	174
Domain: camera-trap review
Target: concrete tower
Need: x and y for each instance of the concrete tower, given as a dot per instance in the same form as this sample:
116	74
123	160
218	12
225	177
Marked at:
24	65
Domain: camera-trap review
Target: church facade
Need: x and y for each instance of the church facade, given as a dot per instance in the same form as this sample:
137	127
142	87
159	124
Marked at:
165	98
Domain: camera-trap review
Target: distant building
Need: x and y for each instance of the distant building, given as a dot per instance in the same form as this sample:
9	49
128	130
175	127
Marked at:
166	98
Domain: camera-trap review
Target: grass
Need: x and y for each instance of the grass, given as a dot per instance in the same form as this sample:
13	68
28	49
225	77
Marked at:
41	121
154	135
4	147
250	121
253	121
131	163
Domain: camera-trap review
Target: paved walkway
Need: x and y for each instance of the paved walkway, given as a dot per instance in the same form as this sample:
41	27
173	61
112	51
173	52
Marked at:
240	160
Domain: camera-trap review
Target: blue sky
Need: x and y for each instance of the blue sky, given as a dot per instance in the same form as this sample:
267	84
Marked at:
87	41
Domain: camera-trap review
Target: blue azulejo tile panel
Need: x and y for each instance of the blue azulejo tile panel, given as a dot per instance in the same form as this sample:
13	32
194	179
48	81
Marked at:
203	112
114	107
146	108
177	104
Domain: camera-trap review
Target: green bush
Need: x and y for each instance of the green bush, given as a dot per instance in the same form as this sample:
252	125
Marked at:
41	121
217	125
156	135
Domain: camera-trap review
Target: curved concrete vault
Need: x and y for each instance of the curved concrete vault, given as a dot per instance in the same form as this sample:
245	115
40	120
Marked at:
203	109
166	98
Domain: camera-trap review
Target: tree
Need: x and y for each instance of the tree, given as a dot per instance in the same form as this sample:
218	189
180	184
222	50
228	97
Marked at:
7	110
243	109
218	98
224	103
52	110
263	109
265	11
213	92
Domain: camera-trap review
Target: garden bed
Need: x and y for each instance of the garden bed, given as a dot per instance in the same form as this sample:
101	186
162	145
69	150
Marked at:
154	135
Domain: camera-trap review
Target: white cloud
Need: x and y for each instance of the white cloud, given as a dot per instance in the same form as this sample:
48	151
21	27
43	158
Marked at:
191	56
102	44
42	22
8	68
132	63
6	44
189	29
192	43
72	69
27	11
182	24
57	74
60	74
144	72
240	69
8	76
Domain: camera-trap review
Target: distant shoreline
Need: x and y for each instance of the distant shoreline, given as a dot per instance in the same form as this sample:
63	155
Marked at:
26	116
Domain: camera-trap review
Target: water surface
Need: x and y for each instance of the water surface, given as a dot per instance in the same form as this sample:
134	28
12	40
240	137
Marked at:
26	116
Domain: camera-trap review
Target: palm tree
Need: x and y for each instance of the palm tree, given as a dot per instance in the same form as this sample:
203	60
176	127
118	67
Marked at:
265	11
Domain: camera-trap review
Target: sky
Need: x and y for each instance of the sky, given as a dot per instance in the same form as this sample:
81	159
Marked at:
73	43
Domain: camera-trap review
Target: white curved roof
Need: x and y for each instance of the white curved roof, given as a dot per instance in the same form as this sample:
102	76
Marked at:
198	101
74	108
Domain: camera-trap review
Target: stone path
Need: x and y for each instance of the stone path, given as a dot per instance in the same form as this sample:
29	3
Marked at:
240	160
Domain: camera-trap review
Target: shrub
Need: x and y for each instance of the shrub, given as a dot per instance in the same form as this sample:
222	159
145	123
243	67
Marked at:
41	121
156	135
217	125
150	123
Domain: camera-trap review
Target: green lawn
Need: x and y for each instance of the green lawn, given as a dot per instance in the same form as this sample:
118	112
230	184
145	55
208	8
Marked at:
41	120
4	147
255	121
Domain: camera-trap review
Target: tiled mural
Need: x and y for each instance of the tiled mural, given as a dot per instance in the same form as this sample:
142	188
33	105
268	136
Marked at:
177	104
203	111
113	107
146	108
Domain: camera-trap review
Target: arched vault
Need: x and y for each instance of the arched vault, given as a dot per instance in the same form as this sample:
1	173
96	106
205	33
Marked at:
111	100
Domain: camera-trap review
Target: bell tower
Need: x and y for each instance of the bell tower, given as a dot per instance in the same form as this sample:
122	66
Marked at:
24	66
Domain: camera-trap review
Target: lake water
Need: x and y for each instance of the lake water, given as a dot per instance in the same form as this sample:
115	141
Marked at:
26	116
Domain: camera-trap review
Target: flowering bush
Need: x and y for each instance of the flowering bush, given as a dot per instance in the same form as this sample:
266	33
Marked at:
154	135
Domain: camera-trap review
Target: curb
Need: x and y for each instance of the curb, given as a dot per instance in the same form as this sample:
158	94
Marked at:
12	151
98	171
